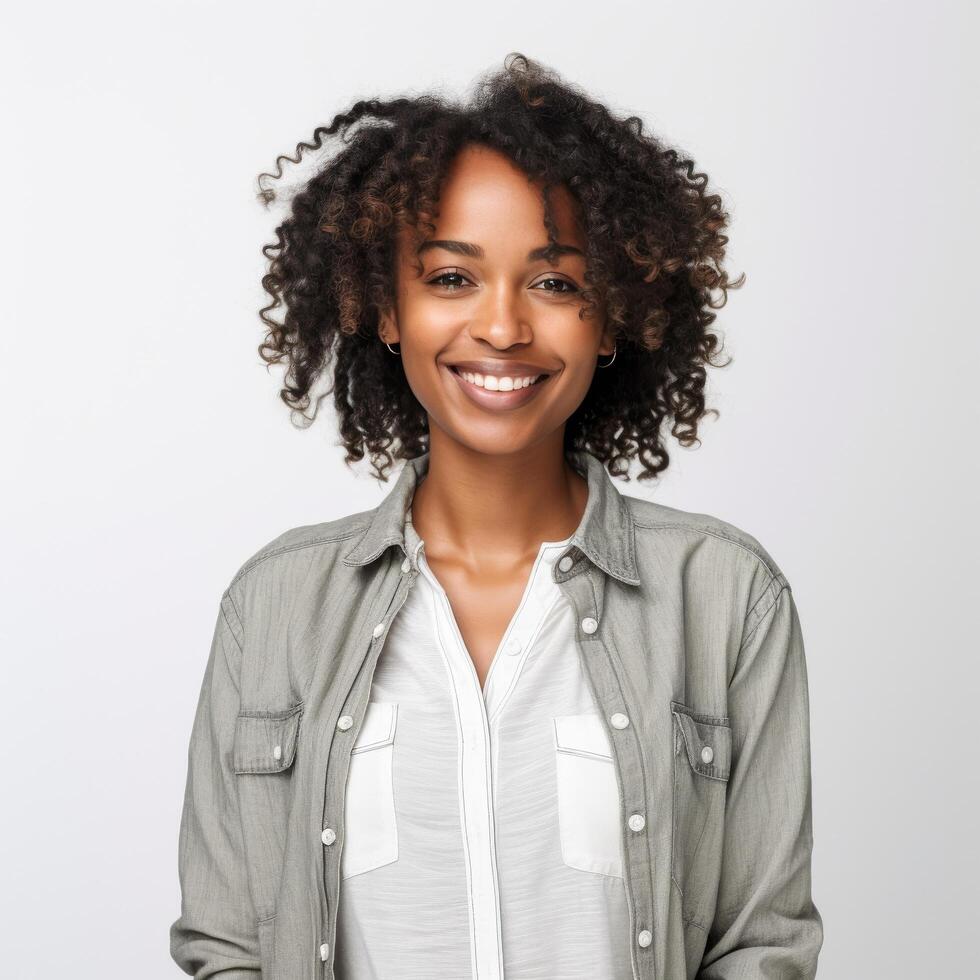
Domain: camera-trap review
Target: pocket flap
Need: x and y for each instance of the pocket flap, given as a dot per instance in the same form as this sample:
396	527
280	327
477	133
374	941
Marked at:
266	741
708	740
584	734
377	726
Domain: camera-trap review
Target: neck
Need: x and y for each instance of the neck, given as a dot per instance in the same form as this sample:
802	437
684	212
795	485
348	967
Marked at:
470	505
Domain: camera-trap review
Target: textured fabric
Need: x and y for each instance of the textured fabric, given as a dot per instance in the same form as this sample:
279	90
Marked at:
691	647
483	825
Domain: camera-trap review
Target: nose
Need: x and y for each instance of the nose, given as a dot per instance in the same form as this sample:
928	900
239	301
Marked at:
501	318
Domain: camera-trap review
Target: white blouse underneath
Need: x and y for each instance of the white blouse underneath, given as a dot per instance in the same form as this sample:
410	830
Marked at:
483	827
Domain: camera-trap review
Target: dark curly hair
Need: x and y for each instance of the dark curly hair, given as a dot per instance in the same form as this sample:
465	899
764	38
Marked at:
655	246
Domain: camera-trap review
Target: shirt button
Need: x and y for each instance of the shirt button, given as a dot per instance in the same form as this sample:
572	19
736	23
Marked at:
344	722
406	565
328	836
707	754
589	624
566	563
325	952
378	630
619	720
645	937
514	646
636	821
277	752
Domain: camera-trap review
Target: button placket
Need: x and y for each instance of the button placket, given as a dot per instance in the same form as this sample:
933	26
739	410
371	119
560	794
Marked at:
586	594
401	586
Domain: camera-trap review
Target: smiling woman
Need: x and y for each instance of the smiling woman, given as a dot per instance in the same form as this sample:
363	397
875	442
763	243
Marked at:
509	722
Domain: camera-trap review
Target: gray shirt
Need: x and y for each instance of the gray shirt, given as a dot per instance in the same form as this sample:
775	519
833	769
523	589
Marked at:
690	643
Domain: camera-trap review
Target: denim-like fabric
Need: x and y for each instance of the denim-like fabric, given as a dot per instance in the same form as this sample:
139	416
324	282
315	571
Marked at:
698	653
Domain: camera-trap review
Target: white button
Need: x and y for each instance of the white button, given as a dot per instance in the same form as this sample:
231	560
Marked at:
406	565
636	821
566	563
589	624
378	630
344	722
277	752
514	646
619	720
707	754
324	951
328	836
645	937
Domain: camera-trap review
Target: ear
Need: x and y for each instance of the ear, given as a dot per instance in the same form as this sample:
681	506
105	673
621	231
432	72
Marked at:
608	343
388	326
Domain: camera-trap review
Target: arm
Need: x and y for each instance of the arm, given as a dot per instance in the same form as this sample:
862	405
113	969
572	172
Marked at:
767	925
217	932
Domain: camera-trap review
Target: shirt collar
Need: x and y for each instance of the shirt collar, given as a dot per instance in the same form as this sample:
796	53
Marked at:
605	533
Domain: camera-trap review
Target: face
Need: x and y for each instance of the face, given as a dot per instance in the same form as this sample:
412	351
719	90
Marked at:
491	339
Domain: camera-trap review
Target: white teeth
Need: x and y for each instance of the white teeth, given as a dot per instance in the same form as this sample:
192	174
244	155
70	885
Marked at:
494	383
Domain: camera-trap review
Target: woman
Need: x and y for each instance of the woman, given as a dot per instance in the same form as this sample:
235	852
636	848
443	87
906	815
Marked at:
510	722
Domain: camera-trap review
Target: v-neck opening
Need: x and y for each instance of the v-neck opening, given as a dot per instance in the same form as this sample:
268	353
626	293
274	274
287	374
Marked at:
417	549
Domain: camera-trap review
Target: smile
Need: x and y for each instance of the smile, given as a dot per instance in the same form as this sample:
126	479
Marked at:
499	391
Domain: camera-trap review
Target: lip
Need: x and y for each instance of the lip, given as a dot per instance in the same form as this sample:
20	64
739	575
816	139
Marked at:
501	368
499	400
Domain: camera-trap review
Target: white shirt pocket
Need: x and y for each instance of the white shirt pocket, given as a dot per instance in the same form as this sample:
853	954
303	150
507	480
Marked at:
370	827
589	812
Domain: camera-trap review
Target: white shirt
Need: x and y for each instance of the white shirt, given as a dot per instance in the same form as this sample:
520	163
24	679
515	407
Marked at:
483	827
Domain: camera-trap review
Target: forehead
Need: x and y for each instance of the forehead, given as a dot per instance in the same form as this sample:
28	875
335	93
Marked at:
487	199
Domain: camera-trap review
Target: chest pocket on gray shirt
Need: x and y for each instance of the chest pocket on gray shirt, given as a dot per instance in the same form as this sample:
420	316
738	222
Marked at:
702	760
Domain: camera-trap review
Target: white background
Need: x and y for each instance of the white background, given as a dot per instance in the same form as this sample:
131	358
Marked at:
147	455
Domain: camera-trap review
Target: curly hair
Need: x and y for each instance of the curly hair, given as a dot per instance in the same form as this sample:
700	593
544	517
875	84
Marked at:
655	247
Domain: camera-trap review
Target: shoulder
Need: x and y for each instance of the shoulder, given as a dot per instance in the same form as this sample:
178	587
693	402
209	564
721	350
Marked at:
671	530
299	546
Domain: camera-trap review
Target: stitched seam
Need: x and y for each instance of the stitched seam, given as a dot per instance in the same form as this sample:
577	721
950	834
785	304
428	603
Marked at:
758	602
673	808
684	709
677	526
224	614
762	619
286	549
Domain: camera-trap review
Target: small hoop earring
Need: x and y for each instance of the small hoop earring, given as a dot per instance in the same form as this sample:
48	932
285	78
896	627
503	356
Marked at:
613	358
392	349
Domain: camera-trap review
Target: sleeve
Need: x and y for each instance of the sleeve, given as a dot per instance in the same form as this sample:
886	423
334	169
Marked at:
767	924
216	934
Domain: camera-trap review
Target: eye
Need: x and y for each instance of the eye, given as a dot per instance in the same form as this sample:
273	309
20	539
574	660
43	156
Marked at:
451	287
566	286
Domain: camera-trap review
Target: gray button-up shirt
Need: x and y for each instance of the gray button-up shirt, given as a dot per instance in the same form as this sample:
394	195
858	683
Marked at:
690	642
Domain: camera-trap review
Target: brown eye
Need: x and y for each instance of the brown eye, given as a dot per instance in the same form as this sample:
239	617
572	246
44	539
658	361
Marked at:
566	286
440	280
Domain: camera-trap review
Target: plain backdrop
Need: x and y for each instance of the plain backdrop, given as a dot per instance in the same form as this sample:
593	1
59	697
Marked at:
146	453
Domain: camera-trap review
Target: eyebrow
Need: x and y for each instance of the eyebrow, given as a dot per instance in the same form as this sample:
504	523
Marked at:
476	252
